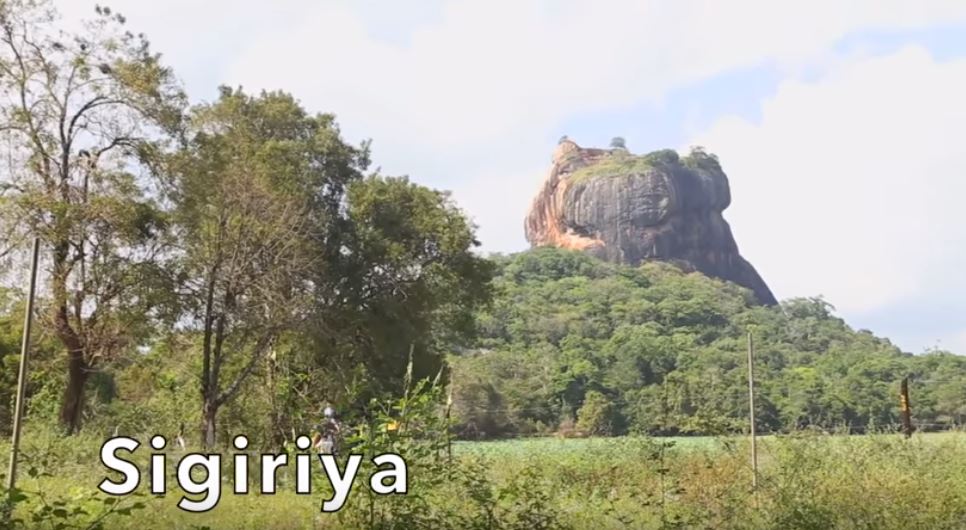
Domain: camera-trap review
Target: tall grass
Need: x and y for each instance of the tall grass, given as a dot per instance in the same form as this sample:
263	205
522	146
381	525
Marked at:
806	481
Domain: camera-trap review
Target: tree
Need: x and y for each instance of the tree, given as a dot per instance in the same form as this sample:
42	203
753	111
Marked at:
408	279
618	143
596	415
256	189
79	115
9	358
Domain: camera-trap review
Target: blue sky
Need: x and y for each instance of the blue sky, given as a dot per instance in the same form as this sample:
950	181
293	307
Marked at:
840	125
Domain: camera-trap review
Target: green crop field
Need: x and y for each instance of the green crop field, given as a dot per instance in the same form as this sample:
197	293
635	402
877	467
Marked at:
575	447
561	447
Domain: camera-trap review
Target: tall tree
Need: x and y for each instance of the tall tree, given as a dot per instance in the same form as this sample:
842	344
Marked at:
257	189
417	281
79	113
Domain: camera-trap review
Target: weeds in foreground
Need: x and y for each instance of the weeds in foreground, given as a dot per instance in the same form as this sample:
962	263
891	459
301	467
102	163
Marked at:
807	481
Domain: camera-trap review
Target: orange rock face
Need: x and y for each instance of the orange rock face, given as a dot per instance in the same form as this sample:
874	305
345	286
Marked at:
628	209
544	224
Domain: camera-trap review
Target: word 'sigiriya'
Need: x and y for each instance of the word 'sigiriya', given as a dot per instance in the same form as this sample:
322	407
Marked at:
391	478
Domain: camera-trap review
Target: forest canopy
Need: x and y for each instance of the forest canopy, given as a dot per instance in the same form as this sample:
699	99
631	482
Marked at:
572	343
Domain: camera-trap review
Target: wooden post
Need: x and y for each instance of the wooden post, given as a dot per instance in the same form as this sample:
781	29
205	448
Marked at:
22	374
751	412
905	410
449	435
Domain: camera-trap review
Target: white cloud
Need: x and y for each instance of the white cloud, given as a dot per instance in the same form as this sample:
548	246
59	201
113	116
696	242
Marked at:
852	186
495	71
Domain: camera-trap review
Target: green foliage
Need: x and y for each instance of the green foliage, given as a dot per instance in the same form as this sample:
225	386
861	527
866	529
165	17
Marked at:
84	113
806	481
414	277
323	282
45	375
9	357
81	506
667	350
445	492
596	416
666	157
255	194
699	159
294	262
620	162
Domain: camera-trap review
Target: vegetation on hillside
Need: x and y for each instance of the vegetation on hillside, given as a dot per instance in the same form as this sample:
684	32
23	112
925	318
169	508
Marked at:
574	341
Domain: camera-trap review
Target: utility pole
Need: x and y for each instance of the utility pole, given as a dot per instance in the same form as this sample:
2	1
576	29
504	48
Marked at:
905	410
22	375
751	412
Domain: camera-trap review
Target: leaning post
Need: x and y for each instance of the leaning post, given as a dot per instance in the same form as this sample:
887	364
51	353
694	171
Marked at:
22	374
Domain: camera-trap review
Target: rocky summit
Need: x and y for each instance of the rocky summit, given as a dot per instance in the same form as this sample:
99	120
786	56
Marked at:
628	208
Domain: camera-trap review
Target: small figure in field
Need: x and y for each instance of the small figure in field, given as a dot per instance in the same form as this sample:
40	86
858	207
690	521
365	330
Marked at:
325	439
179	439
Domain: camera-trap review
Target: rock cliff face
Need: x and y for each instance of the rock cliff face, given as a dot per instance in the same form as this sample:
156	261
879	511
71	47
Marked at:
626	209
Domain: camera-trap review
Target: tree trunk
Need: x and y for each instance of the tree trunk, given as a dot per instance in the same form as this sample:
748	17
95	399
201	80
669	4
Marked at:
78	368
277	434
73	403
209	413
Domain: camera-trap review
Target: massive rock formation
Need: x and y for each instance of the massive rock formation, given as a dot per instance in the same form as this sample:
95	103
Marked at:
626	209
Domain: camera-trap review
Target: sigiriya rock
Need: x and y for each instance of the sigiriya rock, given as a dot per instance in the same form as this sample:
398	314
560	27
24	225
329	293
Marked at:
628	208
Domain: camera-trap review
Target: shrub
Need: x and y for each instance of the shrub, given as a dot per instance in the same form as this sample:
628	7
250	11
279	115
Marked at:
596	416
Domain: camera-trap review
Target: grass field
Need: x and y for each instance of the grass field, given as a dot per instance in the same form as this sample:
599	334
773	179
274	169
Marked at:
565	447
522	448
806	481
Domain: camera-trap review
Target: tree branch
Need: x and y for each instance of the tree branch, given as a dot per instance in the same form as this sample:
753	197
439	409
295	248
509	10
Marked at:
258	353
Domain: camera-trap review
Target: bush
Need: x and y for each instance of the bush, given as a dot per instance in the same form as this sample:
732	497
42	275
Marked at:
596	416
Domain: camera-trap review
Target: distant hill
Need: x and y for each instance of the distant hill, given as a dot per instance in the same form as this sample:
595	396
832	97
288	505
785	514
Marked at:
573	343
